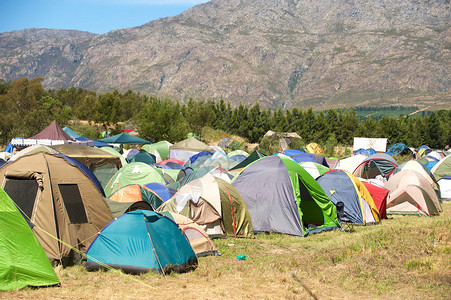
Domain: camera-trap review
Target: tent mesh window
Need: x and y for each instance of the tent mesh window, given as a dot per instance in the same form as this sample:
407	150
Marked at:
23	193
73	202
193	234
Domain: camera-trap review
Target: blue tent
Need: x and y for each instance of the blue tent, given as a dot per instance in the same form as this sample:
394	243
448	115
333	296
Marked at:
71	133
141	241
198	159
78	137
163	191
124	138
85	170
342	186
305	157
430	164
10	148
398	149
423	147
367	152
291	152
96	143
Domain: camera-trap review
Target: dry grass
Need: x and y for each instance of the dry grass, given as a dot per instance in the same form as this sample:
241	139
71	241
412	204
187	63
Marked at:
403	257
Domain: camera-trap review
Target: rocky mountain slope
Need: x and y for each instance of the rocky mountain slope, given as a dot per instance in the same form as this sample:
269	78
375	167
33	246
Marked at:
282	53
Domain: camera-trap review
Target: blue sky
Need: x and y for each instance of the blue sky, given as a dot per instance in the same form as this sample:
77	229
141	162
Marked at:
96	16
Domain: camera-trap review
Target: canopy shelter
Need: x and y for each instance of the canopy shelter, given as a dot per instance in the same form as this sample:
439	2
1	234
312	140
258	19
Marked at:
51	135
124	138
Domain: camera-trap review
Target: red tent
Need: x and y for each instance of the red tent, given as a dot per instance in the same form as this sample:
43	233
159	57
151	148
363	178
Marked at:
379	195
52	132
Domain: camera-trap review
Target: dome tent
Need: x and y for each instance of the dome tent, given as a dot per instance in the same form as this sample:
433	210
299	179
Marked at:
141	241
215	205
411	193
442	168
59	197
133	173
342	186
23	261
197	237
374	165
133	197
283	197
183	150
314	169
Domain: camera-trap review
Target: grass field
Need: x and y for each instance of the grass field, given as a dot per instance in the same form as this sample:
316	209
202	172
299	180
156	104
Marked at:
404	257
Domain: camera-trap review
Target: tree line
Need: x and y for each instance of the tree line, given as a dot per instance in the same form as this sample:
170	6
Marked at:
27	108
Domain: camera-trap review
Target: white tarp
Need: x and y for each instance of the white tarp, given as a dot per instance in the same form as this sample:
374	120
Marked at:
378	144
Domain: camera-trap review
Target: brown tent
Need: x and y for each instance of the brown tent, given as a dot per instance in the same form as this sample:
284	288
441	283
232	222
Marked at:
52	132
58	199
102	163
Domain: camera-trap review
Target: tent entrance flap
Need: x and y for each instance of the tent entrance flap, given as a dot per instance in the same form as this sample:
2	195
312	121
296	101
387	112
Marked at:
311	212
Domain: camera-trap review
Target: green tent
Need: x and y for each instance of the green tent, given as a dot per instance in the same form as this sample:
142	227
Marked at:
160	148
250	159
133	173
442	168
23	261
115	152
124	138
238	152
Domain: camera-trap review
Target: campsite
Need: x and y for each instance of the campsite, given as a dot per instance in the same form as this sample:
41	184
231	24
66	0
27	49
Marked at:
196	220
225	149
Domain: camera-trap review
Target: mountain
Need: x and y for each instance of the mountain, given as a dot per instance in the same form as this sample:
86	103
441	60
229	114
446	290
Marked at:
282	53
